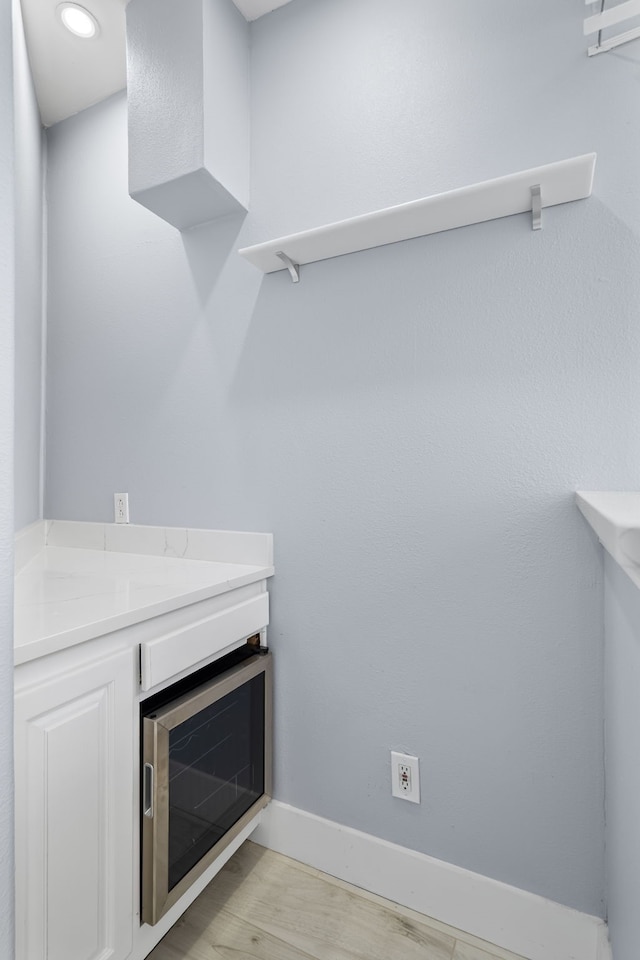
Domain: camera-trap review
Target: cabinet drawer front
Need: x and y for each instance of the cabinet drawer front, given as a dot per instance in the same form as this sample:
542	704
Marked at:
167	656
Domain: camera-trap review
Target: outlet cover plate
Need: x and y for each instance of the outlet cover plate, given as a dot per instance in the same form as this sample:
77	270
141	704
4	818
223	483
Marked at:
121	507
410	792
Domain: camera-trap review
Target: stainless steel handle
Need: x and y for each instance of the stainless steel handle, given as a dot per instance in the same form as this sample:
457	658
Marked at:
147	791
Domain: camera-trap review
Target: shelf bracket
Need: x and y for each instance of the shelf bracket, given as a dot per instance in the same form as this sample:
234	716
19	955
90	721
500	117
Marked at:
536	207
293	268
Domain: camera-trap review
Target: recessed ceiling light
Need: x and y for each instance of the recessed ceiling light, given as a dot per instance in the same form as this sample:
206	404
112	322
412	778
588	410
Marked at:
78	21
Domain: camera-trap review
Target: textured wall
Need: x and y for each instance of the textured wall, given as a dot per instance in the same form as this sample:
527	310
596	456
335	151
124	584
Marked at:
28	294
6	484
163	107
622	726
207	45
410	422
226	68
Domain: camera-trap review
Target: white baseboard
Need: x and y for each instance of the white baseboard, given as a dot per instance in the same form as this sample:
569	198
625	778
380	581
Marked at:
604	947
510	918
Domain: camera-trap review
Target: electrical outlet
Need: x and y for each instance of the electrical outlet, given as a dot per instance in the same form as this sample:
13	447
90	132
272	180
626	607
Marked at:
404	772
121	507
405	777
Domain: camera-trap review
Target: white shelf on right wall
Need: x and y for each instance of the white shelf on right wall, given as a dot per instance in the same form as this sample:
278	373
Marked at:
615	518
559	182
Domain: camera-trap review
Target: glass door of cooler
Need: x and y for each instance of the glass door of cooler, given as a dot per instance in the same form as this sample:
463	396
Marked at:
206	773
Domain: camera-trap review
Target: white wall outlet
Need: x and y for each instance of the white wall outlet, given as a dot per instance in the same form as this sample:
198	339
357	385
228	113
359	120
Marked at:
121	507
405	777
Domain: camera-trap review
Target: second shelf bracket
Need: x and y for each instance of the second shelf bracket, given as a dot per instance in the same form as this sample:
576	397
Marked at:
536	207
293	268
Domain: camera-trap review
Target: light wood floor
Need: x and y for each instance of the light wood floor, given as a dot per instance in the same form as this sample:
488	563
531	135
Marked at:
263	906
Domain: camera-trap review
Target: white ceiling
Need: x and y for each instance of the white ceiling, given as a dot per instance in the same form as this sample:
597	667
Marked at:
70	74
252	9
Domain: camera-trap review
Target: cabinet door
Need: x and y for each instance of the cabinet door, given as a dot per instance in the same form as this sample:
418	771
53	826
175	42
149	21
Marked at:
74	738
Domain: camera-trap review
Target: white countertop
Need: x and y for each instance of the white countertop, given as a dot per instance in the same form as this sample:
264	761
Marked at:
68	594
615	518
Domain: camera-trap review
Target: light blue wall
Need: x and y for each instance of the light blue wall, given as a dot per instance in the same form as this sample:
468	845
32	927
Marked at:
28	293
622	739
410	422
6	484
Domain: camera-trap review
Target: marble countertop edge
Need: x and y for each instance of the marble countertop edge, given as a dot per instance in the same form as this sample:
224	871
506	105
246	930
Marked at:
28	648
78	581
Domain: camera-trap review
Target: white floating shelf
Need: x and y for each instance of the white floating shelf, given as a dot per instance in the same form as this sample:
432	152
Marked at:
559	182
610	18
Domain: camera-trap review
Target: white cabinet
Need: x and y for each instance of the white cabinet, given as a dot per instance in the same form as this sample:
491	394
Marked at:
106	615
74	827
